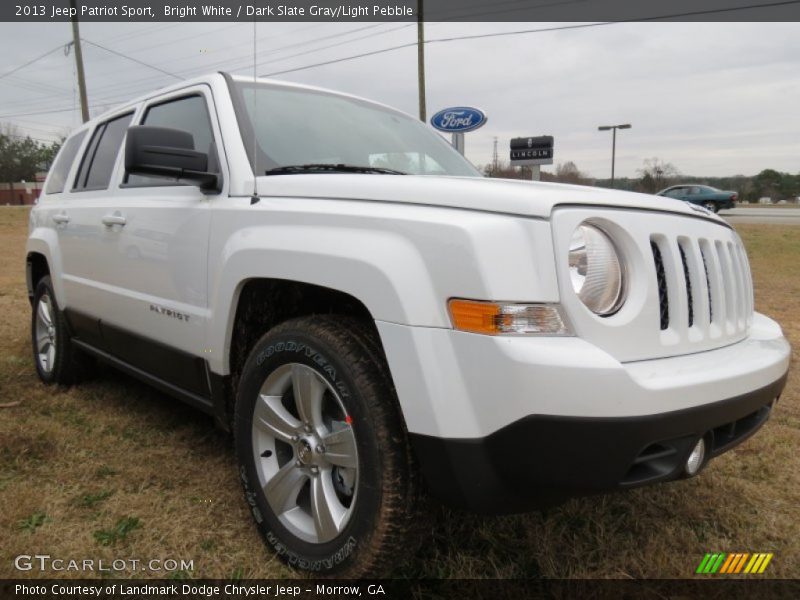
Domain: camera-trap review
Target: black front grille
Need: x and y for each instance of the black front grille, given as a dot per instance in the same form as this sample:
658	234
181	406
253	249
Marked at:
663	300
708	286
688	285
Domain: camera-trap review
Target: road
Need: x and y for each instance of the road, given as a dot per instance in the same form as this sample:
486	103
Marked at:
774	216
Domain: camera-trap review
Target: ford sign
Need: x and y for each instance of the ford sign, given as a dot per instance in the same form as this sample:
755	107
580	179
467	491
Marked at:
458	119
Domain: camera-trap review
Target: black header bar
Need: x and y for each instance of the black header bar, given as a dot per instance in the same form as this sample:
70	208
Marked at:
400	589
542	11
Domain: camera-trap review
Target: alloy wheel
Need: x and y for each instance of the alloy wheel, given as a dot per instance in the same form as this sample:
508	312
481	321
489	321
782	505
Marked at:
305	453
45	334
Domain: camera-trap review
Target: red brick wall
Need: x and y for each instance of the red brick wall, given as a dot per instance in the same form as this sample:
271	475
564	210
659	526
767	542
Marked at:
20	194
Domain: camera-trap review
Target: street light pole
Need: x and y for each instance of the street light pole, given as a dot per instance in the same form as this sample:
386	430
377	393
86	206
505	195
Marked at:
613	129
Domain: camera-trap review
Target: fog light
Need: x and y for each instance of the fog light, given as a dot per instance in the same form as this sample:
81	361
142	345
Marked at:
695	460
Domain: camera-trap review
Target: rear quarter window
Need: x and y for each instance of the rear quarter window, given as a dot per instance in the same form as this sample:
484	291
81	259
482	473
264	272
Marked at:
61	168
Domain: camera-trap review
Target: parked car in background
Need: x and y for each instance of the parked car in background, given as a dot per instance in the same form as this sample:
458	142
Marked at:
703	195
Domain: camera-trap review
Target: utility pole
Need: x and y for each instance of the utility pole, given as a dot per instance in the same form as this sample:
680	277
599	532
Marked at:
421	60
76	41
613	128
495	158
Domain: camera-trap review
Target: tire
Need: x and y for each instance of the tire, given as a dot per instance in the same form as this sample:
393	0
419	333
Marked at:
347	512
56	360
712	206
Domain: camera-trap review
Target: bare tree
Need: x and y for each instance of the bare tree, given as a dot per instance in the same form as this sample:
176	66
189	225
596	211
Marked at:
504	170
656	175
568	172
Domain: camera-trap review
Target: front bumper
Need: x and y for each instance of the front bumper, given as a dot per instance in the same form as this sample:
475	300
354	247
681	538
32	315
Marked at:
502	424
541	460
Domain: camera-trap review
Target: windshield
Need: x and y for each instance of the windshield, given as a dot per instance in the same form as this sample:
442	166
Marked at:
296	127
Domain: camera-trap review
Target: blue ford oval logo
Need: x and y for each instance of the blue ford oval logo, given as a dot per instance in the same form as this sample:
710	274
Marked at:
458	119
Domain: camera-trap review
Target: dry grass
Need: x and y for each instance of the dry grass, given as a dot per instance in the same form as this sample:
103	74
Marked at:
79	466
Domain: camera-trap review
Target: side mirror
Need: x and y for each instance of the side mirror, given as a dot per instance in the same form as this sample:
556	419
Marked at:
169	153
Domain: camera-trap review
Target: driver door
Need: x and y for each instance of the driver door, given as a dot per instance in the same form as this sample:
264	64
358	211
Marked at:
157	318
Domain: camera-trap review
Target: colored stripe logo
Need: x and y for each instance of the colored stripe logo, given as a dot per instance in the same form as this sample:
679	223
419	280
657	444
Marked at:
733	563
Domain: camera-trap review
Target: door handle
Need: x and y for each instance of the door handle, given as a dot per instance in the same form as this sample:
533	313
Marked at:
61	218
115	219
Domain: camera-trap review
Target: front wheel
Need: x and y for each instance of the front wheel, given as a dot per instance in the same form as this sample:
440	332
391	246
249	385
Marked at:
322	449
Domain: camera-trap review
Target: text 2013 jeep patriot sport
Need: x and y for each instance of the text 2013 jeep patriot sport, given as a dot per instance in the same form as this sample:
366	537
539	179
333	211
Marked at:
331	281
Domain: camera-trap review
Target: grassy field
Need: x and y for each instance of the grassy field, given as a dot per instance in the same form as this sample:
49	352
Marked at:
112	469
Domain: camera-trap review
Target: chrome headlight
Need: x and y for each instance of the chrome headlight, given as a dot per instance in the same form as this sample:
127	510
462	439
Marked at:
596	271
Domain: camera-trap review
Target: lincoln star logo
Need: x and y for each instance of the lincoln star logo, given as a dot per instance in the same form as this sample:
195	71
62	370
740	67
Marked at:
168	312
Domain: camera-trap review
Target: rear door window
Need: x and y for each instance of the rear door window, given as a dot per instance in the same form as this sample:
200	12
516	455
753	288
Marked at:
101	155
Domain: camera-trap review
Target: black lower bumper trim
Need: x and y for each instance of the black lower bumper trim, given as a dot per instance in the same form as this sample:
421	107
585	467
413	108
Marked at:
543	459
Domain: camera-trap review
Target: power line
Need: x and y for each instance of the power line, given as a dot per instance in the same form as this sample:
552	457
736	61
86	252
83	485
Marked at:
695	13
531	31
440	40
271	51
136	60
227	62
312	50
33	86
452	39
41	112
472	15
30	62
28	137
136	86
343	59
139	32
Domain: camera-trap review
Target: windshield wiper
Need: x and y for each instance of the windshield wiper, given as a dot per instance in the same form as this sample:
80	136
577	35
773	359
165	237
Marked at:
330	168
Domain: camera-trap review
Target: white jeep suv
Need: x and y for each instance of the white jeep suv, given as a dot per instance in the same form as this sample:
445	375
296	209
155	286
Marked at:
371	318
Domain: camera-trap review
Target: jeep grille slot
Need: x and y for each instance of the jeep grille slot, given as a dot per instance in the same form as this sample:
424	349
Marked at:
661	278
706	280
687	277
708	283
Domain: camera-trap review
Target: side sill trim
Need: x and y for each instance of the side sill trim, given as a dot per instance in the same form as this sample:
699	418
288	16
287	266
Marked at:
194	400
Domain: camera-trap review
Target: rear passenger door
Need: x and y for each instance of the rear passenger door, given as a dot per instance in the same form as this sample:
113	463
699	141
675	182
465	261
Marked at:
158	311
85	243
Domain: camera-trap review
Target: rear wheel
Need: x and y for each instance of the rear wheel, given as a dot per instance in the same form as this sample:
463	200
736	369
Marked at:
712	206
55	359
322	450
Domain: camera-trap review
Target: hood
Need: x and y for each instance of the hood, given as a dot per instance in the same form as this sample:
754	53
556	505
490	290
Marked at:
509	196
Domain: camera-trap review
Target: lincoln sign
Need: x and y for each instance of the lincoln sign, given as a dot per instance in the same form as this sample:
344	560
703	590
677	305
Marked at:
532	150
